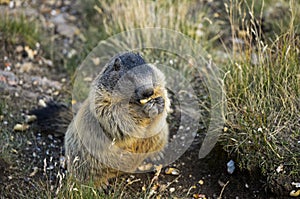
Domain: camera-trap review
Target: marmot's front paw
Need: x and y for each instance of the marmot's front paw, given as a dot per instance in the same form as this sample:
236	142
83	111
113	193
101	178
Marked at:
154	107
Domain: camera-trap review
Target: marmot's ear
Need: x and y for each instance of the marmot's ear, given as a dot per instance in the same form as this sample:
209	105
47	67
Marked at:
117	64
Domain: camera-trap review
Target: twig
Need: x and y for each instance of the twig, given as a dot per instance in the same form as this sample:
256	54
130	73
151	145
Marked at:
223	188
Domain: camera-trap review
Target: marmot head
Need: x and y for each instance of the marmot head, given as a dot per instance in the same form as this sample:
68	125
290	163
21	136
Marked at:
128	76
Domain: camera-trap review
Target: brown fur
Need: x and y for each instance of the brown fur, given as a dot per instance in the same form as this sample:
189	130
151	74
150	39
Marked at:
109	136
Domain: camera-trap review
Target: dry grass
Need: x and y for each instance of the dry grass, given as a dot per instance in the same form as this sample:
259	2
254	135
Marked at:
261	75
188	17
263	89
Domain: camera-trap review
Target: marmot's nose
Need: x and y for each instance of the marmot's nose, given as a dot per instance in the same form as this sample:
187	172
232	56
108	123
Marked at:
144	92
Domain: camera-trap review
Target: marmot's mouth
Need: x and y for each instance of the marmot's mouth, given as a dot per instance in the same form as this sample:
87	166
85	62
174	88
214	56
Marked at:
144	101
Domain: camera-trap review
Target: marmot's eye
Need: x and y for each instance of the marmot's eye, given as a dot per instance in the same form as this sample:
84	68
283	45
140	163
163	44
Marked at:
117	64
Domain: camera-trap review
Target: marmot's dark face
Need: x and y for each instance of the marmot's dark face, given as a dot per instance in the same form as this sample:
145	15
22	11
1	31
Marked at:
128	76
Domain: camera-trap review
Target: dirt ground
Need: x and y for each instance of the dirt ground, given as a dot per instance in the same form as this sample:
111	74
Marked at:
35	157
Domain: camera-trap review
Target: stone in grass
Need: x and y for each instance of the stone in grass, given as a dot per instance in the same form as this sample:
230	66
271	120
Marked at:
172	171
21	127
230	167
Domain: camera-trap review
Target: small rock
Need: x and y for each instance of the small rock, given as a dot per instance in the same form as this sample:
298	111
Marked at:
71	53
172	171
172	189
45	9
62	161
42	103
201	182
71	18
145	167
30	53
96	61
19	48
67	30
26	67
88	79
279	168
30	118
9	78
56	93
230	167
45	82
48	62
222	184
51	167
50	137
296	184
21	127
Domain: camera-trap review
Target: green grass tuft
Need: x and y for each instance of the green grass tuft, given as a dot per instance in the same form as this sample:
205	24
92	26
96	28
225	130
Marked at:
18	28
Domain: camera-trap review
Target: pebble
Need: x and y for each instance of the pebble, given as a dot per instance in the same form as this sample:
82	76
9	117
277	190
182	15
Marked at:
51	167
62	161
19	49
172	189
296	184
279	168
8	78
96	61
30	118
50	137
30	53
172	171
230	167
42	103
145	167
21	127
201	182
